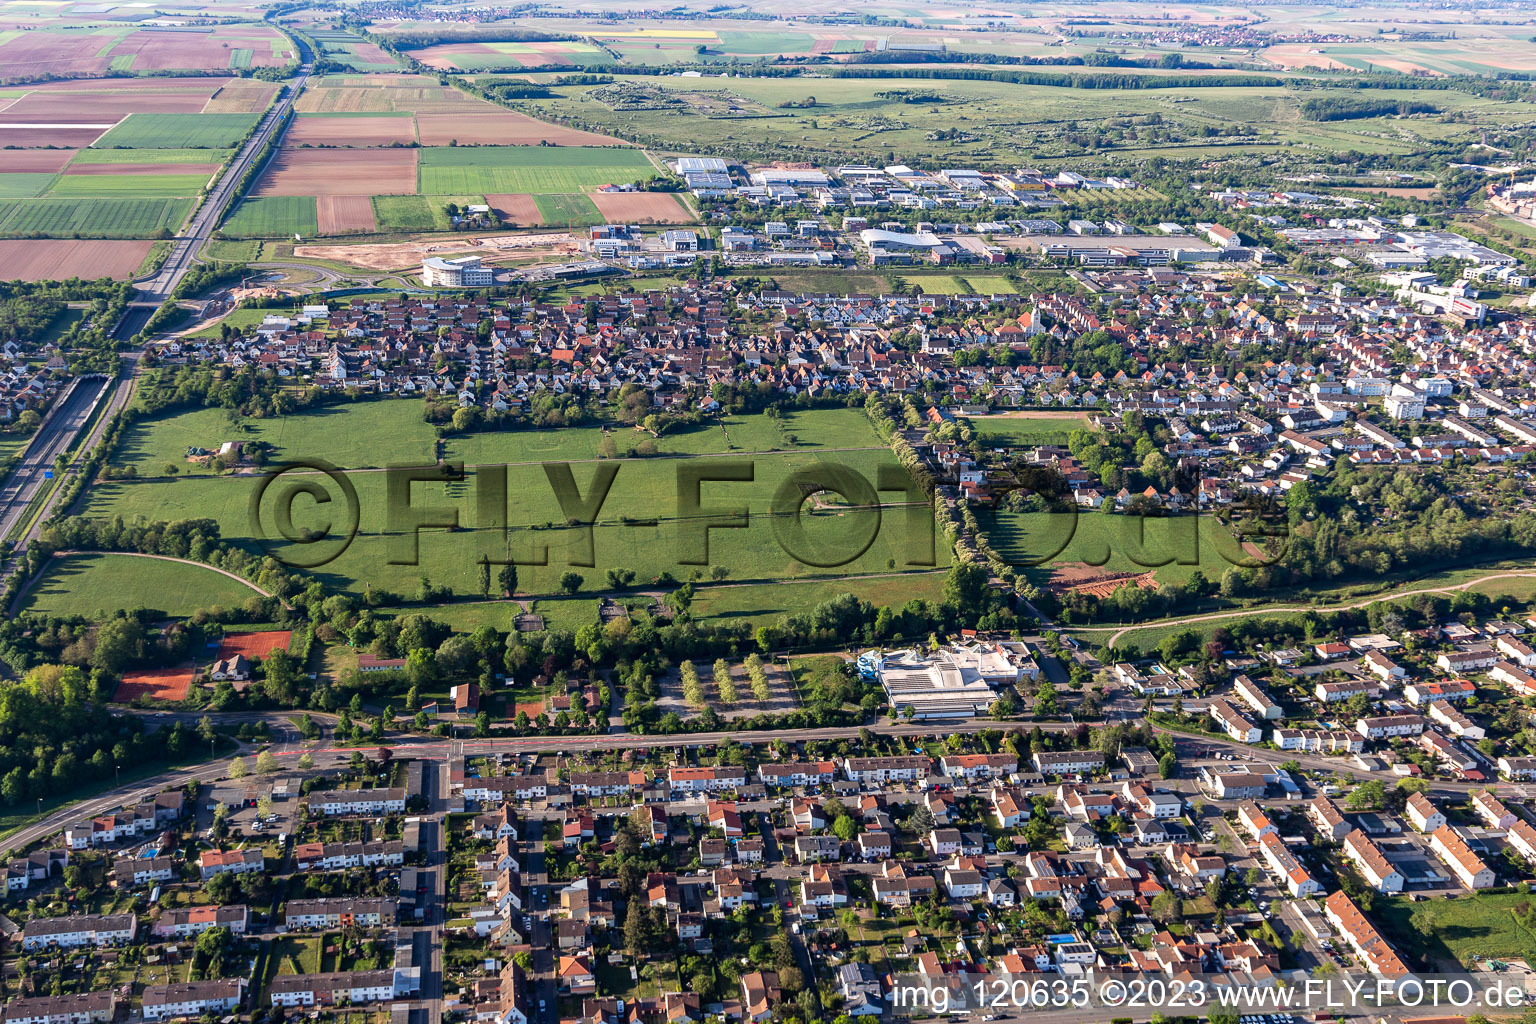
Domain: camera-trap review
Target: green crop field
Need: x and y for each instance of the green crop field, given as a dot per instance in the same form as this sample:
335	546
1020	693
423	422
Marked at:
129	185
754	44
273	217
539	170
24	186
92	218
96	584
151	156
568	211
178	131
642	490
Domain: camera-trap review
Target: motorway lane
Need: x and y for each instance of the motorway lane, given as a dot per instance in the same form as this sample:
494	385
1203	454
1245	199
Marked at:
52	439
184	253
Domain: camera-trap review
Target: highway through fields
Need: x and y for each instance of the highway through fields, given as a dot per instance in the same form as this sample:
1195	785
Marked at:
59	434
53	438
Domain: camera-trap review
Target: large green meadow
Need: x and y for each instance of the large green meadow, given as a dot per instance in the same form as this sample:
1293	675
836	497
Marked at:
647	524
95	584
539	170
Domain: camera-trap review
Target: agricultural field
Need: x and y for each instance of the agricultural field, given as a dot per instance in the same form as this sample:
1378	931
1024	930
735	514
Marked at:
273	217
507	56
356	53
104	217
331	172
416	213
95	584
378	433
58	48
45	259
178	131
419	146
642	208
134	170
536	170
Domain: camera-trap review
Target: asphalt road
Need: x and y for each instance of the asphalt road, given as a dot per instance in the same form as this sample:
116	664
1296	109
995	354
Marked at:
52	438
184	253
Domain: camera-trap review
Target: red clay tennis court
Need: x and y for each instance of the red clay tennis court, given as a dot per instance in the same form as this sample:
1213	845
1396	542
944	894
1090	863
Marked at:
254	645
155	684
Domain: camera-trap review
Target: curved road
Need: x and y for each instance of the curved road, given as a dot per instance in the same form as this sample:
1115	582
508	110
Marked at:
1285	608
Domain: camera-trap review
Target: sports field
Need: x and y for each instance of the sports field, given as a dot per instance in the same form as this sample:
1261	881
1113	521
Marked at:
538	170
254	645
154	684
1027	428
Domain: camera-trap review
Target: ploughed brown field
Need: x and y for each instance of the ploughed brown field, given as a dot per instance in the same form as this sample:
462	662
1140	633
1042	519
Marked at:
37	138
640	208
309	130
502	128
35	161
100	105
46	259
342	214
40	51
339	172
56	53
516	210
